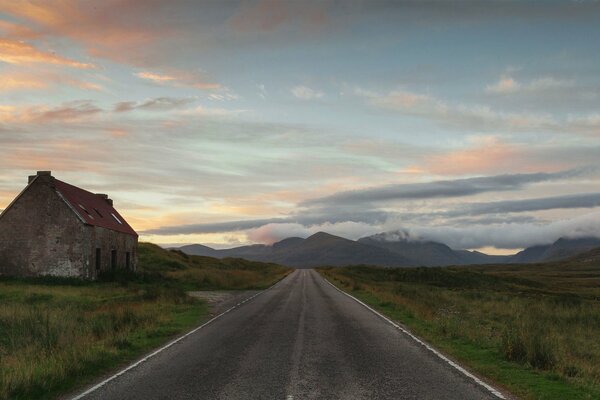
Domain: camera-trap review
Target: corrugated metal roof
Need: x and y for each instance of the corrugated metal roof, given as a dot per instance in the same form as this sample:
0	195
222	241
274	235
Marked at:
93	208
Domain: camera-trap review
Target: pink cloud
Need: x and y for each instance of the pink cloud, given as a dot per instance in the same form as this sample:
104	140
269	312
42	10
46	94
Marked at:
178	78
487	155
17	52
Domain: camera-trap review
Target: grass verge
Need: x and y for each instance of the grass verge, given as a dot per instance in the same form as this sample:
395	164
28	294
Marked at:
57	334
532	329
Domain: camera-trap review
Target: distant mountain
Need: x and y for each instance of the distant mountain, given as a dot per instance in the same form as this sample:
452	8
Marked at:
316	250
561	249
425	253
199	250
592	256
386	250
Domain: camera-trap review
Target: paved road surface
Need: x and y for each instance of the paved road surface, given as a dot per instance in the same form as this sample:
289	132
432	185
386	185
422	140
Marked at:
302	339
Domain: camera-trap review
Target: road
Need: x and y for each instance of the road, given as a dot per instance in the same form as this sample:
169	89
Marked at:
301	339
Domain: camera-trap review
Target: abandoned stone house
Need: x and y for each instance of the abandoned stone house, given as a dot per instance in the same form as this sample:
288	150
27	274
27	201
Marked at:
54	228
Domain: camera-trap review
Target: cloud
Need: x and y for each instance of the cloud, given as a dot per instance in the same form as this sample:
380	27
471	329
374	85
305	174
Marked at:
340	216
22	81
66	113
274	232
179	78
156	104
510	235
486	155
508	85
505	85
20	53
463	116
481	117
584	200
440	189
306	93
36	80
224	94
230	226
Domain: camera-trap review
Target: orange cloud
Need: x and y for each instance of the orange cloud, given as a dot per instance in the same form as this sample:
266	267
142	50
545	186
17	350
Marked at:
19	81
178	78
488	155
110	28
34	80
16	52
68	112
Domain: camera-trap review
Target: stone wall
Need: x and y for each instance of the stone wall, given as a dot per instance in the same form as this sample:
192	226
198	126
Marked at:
40	235
106	241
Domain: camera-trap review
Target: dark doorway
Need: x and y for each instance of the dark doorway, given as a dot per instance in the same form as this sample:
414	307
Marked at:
98	259
113	259
128	260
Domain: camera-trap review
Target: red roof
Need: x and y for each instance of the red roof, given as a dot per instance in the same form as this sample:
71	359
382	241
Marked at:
93	208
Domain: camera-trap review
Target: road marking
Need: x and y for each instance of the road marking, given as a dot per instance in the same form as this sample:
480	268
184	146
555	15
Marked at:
491	389
289	397
171	343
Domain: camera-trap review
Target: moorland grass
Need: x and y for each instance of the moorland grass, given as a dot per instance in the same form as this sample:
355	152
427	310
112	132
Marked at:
533	329
56	333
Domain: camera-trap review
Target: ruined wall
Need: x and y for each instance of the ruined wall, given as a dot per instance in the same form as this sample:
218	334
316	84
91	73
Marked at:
40	235
108	240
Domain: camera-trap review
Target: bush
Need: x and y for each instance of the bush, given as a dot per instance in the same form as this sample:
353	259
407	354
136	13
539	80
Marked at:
526	343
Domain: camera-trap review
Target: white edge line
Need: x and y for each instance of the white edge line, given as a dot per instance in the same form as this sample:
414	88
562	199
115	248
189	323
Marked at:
171	343
491	389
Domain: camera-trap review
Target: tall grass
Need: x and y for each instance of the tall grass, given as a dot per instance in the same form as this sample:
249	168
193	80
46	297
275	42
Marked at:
52	335
57	333
206	273
537	318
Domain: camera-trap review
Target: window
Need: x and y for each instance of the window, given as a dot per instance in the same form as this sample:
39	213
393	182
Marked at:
116	218
86	211
128	260
113	259
98	260
98	212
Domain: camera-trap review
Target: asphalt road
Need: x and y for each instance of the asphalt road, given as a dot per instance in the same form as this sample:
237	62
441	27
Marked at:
302	339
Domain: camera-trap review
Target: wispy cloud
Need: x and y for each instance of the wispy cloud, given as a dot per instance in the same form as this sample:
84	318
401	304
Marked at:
40	114
178	78
38	80
20	53
306	93
156	104
585	200
508	85
441	189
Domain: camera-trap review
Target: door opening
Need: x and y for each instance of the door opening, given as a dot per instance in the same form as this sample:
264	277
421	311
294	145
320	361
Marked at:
98	259
113	259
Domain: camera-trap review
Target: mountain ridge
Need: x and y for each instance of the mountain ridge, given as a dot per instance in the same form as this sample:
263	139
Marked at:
324	249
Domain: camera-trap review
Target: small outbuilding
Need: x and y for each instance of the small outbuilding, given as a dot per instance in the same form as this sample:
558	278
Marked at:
54	228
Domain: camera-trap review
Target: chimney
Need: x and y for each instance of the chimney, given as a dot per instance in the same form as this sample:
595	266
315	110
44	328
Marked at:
105	197
44	176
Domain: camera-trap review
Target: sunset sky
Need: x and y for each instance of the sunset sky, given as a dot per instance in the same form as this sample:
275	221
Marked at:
226	123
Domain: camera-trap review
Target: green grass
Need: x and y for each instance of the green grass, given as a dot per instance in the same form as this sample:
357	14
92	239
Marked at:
532	329
57	334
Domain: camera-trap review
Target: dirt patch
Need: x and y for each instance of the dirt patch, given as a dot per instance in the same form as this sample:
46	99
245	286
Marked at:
221	300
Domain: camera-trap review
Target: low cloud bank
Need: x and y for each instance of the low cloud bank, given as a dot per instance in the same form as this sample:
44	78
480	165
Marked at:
498	235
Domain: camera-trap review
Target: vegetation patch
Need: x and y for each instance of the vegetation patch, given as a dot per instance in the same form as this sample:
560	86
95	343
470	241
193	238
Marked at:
56	333
533	329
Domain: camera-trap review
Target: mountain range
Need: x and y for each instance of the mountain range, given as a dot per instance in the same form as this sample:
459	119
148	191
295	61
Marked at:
323	249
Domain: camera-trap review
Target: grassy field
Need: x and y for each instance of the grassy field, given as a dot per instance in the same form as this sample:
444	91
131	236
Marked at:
532	329
56	334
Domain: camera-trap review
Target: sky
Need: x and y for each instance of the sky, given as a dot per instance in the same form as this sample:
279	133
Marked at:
476	124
